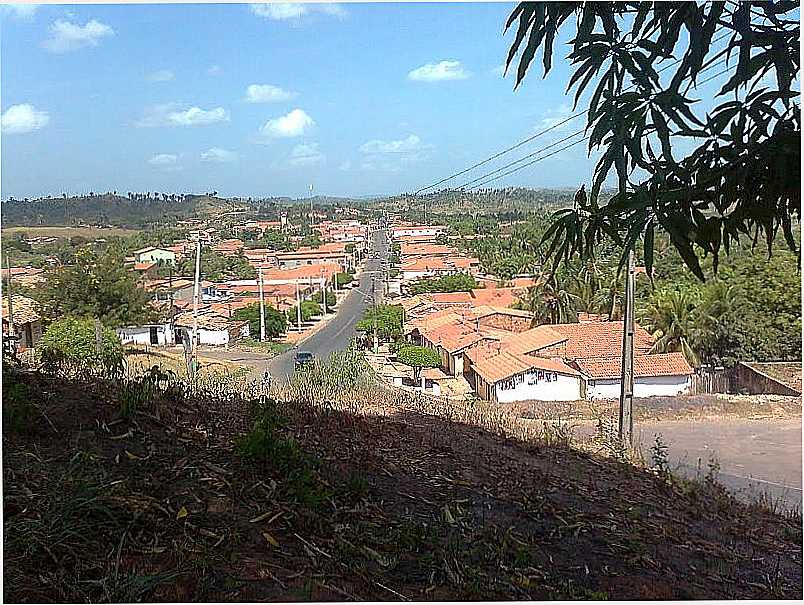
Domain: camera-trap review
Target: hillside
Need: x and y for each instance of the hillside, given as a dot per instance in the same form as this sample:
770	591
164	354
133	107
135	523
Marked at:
112	209
361	501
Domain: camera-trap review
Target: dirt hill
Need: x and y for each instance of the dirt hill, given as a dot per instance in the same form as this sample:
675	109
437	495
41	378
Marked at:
136	492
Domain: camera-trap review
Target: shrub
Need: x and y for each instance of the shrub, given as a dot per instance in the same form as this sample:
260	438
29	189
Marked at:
276	322
69	346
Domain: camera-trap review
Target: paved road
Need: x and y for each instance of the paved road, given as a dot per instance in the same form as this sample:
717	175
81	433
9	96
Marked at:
754	455
339	330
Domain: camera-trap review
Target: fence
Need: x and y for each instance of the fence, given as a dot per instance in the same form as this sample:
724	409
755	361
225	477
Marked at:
708	380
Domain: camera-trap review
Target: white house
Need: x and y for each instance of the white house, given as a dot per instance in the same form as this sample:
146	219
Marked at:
153	254
665	374
148	334
506	377
213	329
418	230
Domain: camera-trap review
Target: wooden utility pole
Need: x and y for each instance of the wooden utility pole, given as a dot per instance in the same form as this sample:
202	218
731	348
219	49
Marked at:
627	372
324	293
374	314
12	331
196	296
298	306
262	307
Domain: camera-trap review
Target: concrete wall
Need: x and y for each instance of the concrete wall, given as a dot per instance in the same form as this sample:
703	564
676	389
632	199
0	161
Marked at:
528	387
646	386
756	382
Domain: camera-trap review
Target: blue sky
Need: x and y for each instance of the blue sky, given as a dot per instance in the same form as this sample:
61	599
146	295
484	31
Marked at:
255	100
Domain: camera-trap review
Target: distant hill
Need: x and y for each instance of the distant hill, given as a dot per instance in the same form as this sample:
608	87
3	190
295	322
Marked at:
125	211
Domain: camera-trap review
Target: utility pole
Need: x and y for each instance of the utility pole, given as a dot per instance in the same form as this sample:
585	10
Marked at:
298	307
627	374
196	296
12	332
262	307
324	293
374	315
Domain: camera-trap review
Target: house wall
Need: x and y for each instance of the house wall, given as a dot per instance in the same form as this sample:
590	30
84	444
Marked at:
154	256
141	335
644	386
213	337
563	388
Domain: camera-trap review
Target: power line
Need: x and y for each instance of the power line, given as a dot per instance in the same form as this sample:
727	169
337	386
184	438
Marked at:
542	132
485	180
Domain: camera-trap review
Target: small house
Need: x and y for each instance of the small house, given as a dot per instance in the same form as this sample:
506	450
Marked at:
27	322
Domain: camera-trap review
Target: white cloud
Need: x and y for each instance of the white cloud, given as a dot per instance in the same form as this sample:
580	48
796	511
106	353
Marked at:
345	166
20	119
218	155
393	155
408	145
165	161
499	71
266	93
66	36
20	11
285	11
306	155
555	117
214	70
293	124
174	114
163	75
438	72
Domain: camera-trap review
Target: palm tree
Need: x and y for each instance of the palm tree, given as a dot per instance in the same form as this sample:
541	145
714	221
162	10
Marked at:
672	319
551	302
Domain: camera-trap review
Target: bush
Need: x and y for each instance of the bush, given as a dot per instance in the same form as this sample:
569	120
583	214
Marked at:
276	322
68	346
342	279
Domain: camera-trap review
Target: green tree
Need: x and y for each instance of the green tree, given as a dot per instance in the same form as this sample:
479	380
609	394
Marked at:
309	309
96	286
418	358
551	302
331	299
217	267
389	320
671	318
69	345
276	322
737	174
343	279
459	282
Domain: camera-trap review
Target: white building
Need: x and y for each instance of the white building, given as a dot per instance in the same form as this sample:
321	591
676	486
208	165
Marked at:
148	334
506	377
418	230
213	329
665	374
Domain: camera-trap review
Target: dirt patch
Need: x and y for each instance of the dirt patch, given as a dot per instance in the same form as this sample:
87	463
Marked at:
680	407
390	503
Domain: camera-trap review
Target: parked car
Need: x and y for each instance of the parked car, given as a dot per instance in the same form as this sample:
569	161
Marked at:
303	359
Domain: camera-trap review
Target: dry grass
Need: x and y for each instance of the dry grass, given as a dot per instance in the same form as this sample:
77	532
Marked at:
371	494
67	232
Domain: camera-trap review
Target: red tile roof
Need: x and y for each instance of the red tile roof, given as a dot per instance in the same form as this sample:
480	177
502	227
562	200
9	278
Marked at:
663	364
600	339
493	368
530	341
